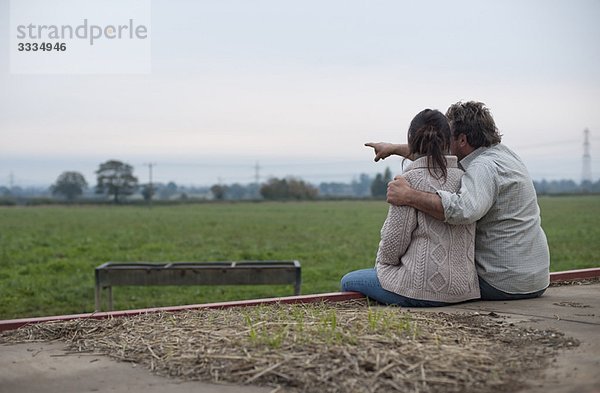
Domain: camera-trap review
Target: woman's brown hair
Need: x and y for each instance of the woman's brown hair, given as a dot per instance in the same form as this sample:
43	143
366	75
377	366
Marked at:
429	135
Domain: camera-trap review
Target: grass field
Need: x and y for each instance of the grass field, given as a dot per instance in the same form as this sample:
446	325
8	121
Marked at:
48	254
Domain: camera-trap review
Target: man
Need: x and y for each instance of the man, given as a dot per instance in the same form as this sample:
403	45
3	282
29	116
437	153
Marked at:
511	250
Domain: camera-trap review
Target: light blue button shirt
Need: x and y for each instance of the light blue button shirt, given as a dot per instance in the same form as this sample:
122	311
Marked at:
511	250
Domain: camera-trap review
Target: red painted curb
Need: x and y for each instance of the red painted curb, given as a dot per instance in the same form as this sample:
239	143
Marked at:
11	324
575	274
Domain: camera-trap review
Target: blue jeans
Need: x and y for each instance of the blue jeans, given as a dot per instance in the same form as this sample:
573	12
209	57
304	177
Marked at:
366	282
488	292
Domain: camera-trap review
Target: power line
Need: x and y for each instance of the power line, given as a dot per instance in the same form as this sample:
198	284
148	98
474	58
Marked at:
257	173
586	175
150	186
262	166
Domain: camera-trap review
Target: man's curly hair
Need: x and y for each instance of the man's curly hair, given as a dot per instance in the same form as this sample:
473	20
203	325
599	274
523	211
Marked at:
473	119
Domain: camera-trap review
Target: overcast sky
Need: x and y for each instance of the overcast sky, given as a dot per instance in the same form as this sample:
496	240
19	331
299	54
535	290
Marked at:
300	86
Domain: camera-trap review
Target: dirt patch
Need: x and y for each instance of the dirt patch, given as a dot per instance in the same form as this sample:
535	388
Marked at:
572	304
340	347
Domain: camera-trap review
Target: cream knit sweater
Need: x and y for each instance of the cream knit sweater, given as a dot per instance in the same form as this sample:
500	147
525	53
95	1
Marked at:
423	258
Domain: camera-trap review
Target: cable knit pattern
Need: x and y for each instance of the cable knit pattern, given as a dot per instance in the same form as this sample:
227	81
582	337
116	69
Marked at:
423	258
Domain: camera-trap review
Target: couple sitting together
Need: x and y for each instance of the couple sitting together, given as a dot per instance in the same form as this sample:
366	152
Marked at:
460	227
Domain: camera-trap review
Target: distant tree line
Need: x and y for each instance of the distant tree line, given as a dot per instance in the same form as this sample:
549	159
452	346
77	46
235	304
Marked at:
545	187
115	181
289	188
379	184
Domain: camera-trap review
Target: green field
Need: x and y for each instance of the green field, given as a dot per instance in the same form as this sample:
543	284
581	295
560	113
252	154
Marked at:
48	254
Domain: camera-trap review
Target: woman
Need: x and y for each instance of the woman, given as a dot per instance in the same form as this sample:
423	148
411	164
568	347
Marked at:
422	262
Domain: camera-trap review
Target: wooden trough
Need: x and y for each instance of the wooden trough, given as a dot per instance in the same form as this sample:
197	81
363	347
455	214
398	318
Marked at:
195	273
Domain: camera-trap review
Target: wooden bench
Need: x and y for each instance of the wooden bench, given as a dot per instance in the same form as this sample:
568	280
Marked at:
195	273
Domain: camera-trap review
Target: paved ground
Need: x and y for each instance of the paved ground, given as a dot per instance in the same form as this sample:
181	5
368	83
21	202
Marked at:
46	368
573	310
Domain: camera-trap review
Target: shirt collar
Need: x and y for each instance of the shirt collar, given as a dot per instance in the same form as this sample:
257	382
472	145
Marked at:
421	162
466	161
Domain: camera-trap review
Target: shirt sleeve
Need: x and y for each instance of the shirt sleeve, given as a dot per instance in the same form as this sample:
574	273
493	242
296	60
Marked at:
478	189
396	234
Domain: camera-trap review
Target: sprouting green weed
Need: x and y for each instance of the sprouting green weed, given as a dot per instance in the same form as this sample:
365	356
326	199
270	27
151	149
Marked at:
333	319
373	318
251	330
276	339
416	331
297	315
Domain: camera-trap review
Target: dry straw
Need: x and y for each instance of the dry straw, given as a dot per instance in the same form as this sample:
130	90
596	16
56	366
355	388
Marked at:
580	281
342	347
